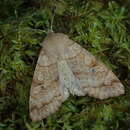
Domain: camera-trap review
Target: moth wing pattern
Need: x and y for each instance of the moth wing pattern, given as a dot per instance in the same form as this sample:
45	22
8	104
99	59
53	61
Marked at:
46	95
95	78
64	67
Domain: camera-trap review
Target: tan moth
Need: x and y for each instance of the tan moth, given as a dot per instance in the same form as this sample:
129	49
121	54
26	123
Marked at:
65	68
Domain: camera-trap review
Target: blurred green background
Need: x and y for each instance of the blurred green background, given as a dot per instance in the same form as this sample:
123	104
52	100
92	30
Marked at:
101	26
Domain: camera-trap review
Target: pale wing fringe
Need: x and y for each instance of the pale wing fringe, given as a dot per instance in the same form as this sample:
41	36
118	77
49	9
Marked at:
68	80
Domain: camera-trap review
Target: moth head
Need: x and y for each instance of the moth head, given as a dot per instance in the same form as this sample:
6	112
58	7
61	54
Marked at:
54	38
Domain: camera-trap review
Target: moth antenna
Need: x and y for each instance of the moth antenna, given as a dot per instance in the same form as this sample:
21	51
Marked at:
52	20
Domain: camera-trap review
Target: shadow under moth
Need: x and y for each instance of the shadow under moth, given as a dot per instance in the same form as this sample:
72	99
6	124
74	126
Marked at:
65	68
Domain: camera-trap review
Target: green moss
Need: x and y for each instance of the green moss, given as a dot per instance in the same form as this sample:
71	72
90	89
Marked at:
103	28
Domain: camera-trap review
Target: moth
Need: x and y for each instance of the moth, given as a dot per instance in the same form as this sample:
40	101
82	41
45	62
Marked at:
65	68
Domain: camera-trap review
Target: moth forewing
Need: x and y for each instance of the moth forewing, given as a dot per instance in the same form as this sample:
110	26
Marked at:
65	68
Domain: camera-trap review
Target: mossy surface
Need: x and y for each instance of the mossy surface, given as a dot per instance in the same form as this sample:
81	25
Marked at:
102	27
